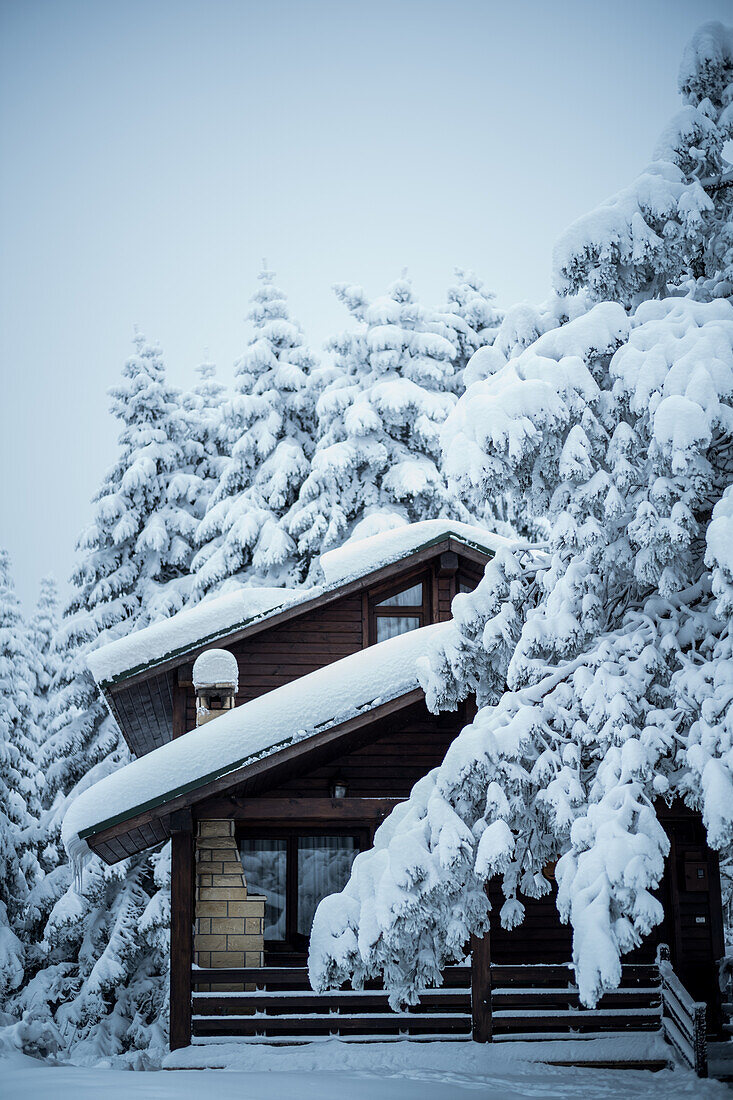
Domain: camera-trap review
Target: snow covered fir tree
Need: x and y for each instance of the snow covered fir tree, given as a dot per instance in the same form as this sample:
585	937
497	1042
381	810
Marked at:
270	426
397	682
600	662
376	463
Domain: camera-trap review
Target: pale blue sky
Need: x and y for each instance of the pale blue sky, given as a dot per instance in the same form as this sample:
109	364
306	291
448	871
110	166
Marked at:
152	152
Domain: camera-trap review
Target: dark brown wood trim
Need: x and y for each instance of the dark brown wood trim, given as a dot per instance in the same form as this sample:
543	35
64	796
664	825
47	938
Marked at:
182	916
257	767
448	563
468	552
481	1024
423	611
297	810
387	572
179	711
717	931
364	620
674	893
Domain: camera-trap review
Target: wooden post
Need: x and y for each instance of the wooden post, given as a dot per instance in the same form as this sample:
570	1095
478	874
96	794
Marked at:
179	711
182	913
700	1040
481	988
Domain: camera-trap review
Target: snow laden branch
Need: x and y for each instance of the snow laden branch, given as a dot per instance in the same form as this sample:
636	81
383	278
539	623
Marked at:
601	671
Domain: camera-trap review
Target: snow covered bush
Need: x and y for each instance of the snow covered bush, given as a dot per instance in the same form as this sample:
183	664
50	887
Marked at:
603	665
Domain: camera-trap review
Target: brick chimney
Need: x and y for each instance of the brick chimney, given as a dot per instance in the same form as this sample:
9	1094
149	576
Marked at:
215	678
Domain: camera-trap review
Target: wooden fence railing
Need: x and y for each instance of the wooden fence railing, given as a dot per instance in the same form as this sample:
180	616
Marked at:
684	1021
488	1002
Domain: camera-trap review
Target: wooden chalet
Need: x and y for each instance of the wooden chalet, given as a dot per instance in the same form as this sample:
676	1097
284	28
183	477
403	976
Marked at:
267	805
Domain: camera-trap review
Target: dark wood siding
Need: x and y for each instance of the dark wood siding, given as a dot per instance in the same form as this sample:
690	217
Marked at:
283	653
388	767
146	705
541	938
276	656
446	592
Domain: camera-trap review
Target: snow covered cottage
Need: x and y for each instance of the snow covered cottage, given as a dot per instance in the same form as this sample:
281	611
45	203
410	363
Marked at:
273	731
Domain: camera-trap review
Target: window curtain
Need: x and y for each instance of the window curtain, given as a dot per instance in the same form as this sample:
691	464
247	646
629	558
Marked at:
324	863
265	871
389	626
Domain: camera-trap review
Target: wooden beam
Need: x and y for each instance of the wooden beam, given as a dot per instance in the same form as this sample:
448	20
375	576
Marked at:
298	809
481	1024
448	563
182	916
179	711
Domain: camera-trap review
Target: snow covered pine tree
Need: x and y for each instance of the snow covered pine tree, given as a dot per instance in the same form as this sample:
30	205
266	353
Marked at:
471	319
100	969
206	443
270	424
19	788
603	663
377	459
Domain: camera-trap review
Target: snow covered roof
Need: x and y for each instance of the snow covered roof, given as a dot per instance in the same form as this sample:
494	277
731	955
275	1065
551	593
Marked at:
360	556
195	626
214	619
257	729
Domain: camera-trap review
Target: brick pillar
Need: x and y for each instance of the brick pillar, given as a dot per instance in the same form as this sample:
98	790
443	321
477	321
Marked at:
229	921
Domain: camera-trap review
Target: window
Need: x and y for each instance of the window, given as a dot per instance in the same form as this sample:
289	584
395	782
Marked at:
398	611
294	872
467	582
265	872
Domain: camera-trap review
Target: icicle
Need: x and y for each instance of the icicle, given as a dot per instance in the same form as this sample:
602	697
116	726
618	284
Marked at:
78	862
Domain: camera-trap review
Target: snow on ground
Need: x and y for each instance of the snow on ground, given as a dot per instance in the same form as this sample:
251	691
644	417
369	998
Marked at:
338	1071
284	716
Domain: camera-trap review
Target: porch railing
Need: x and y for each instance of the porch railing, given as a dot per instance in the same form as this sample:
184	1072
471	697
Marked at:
684	1021
493	1002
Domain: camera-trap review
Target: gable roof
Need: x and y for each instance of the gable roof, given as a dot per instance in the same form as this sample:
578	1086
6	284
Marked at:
217	755
246	610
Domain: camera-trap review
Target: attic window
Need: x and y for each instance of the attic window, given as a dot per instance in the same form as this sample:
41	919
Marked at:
398	612
409	597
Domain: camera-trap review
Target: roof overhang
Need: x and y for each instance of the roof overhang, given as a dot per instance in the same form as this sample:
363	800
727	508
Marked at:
149	690
149	823
186	654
